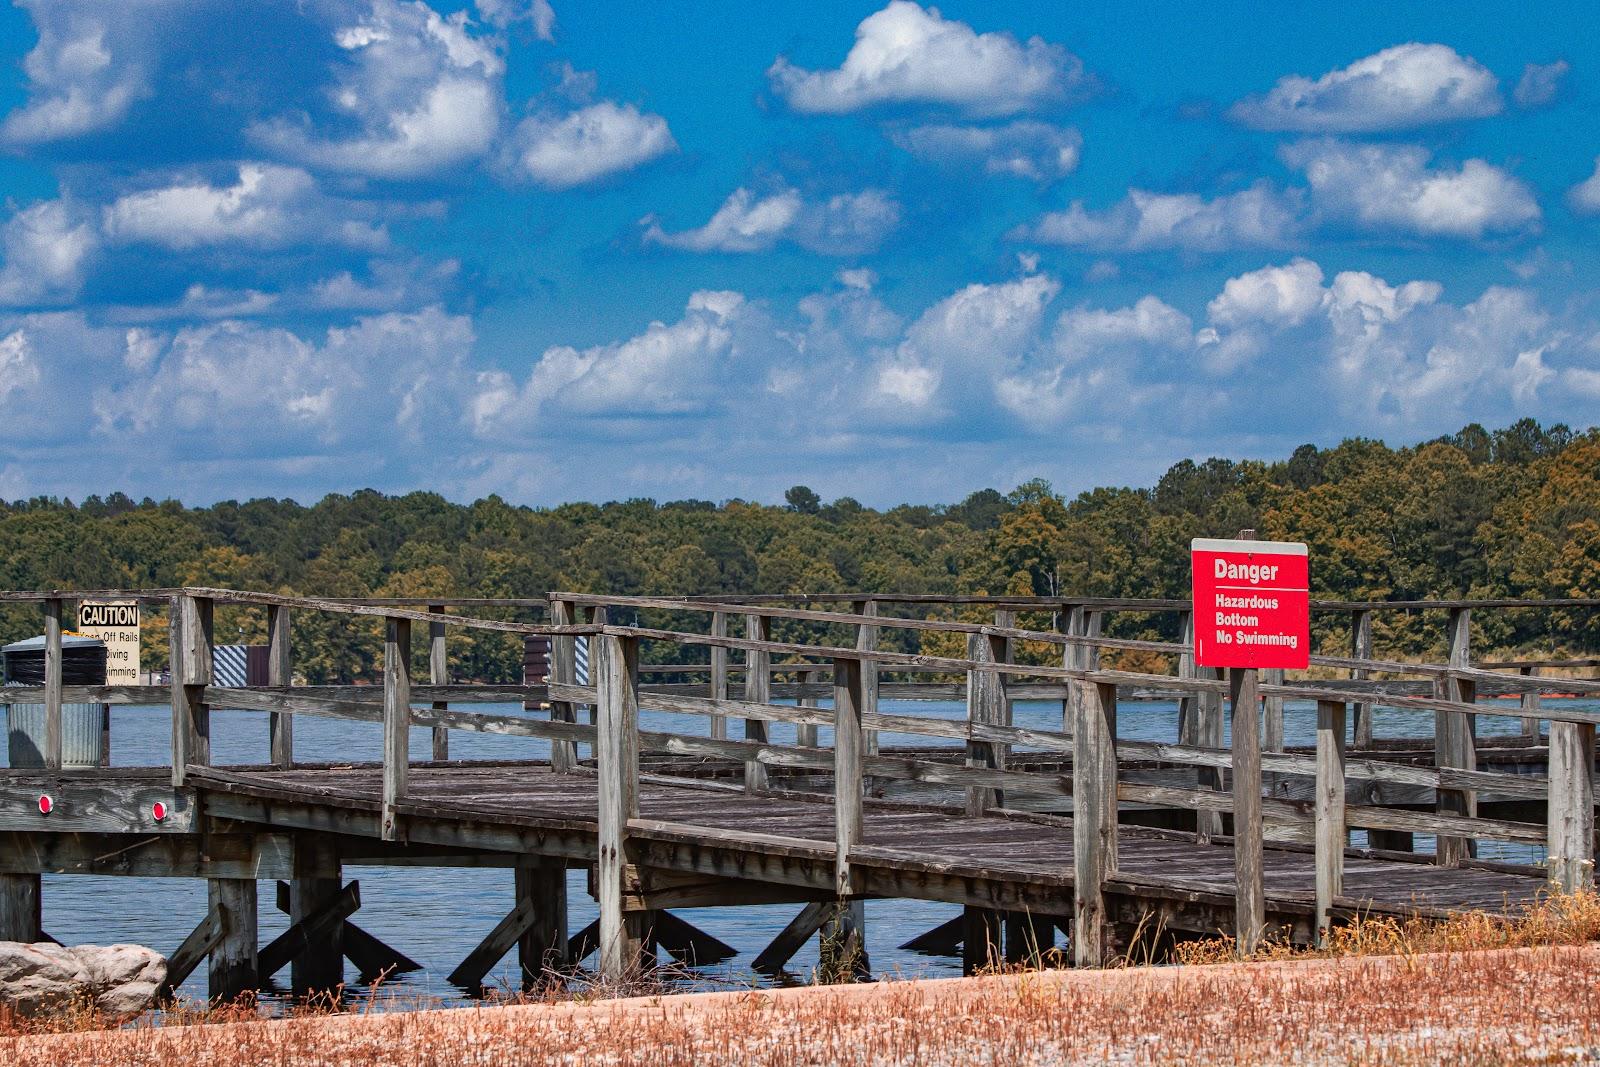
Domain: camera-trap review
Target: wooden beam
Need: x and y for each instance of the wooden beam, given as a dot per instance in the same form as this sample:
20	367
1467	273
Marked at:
867	641
1094	822
469	973
542	948
986	705
280	671
309	931
396	720
439	674
1330	815
1570	810
615	664
190	645
318	880
1249	894
982	943
20	908
1361	649
52	684
373	957
563	671
757	690
719	672
792	937
234	968
1530	706
942	940
688	944
844	942
1454	741
200	943
1272	712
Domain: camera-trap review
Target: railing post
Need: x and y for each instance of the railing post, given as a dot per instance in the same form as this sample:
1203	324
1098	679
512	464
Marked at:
614	662
1361	648
1094	816
396	721
986	700
438	674
52	684
1250	913
1069	621
1330	823
1454	739
1188	717
191	667
844	937
867	641
1272	712
280	672
1530	708
805	734
1570	806
719	672
757	690
563	671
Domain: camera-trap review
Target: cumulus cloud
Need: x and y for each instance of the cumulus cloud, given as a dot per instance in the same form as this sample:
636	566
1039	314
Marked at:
48	247
669	369
267	206
844	224
420	89
1404	86
1540	83
1585	196
503	13
908	54
1260	216
93	61
1281	296
560	151
1392	187
1036	151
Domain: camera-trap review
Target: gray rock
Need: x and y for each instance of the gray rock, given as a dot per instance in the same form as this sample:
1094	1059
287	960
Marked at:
116	979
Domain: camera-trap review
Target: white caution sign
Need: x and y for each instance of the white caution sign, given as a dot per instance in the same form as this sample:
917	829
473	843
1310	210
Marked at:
116	622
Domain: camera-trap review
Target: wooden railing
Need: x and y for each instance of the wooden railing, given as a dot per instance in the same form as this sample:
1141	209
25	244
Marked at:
993	681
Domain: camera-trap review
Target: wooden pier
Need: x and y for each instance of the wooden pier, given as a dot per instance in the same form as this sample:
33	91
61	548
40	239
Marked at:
1071	835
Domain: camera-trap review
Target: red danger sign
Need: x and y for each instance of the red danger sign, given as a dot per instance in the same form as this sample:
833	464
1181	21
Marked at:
1252	603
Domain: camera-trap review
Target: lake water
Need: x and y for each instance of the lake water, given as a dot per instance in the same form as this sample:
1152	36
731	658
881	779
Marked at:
437	915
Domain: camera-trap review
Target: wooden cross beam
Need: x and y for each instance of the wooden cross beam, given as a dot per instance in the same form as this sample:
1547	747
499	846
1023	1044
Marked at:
313	928
372	956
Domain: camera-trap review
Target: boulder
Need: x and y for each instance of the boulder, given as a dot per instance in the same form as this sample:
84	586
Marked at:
44	977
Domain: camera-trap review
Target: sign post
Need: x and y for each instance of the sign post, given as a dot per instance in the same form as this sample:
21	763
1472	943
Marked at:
1252	611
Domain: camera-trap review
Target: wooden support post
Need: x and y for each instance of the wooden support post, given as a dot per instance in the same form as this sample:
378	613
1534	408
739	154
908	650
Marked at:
1454	739
757	690
1029	938
542	948
191	668
844	941
1530	709
312	932
318	879
806	734
373	958
1571	806
1361	648
1094	816
793	936
719	672
396	721
439	674
1188	715
614	661
564	671
981	944
233	970
20	900
867	641
1272	712
1200	724
52	685
280	672
1330	825
986	705
1069	621
1250	912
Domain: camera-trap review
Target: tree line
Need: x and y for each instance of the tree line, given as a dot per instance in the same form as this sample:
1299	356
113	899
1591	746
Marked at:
1513	512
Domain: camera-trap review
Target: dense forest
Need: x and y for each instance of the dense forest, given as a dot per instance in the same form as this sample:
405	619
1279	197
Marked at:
1510	512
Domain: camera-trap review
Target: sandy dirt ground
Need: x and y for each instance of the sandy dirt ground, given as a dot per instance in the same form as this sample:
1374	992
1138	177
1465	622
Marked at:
1534	1006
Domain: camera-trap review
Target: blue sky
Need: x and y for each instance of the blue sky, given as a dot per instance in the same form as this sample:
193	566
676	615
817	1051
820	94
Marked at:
563	251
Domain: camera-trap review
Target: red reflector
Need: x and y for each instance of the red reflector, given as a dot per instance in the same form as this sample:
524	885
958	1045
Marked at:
47	804
158	811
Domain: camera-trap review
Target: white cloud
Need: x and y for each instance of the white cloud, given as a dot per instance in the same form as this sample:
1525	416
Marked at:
1585	196
1259	216
1540	83
1400	87
1392	187
422	91
1037	151
845	224
503	13
92	62
1281	296
582	146
47	248
268	206
669	369
1086	333
907	54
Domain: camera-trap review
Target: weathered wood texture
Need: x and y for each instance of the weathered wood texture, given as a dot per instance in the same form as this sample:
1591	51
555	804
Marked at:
396	721
20	900
280	672
1455	738
1094	827
233	971
190	648
1330	813
439	674
1249	893
615	663
757	690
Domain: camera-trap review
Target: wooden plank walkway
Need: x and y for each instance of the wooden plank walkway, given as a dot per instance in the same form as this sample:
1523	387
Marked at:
900	842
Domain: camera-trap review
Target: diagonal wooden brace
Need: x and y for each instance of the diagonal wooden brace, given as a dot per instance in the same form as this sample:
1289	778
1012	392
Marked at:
372	956
293	941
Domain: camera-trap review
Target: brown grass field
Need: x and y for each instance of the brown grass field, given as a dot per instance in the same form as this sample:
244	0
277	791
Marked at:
1469	991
